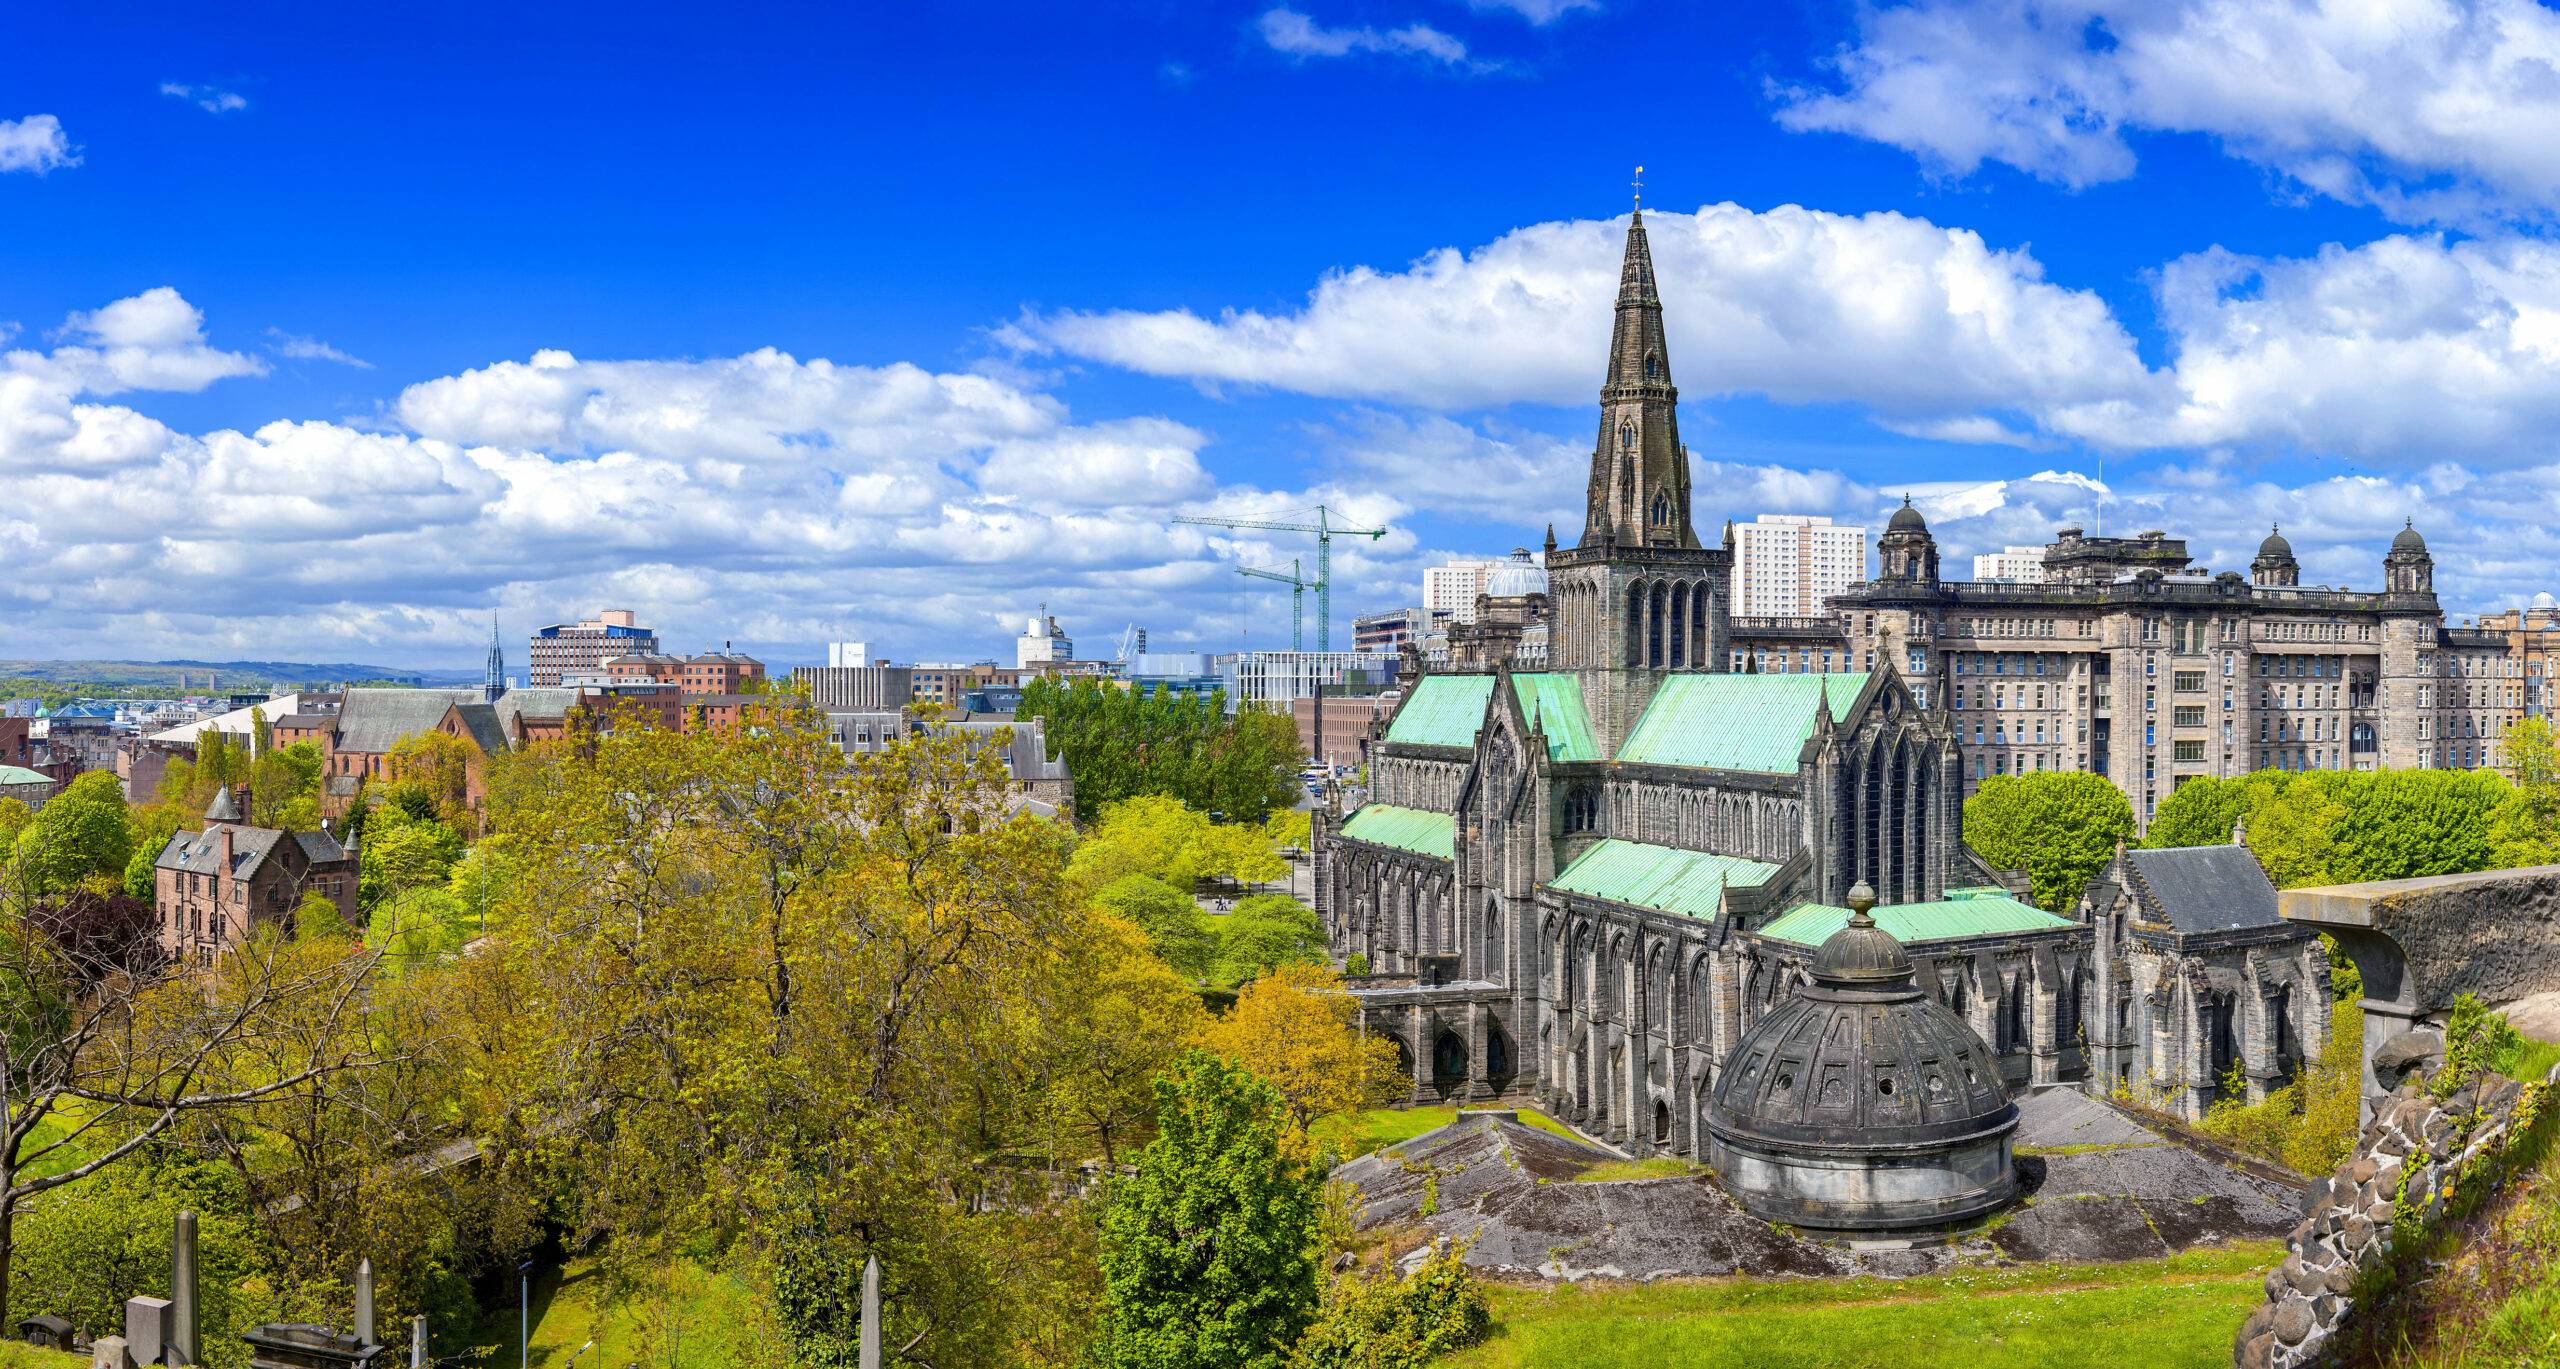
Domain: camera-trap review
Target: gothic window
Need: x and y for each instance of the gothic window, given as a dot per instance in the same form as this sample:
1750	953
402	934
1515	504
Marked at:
1652	364
1581	810
1662	508
1627	436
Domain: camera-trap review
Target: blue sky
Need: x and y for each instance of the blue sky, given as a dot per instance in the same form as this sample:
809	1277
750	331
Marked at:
335	328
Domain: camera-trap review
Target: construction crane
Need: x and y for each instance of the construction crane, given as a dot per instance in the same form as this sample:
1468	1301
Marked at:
1325	530
1297	599
1131	642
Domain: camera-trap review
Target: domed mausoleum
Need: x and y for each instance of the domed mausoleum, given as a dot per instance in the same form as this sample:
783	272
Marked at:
1861	1105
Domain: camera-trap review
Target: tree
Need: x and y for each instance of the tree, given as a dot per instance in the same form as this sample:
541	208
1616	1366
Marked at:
1209	1252
431	775
80	833
101	1066
1136	742
1289	827
1237	851
1178	844
2199	812
1266	931
1296	1028
1135	1021
2525	828
1170	919
2060	826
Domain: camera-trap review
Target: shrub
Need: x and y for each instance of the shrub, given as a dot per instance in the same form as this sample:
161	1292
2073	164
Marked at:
1383	1322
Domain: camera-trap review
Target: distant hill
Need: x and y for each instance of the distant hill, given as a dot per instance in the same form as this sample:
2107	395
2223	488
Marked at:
235	674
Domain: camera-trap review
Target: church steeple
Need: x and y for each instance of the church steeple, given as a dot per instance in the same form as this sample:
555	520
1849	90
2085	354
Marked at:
495	684
1639	473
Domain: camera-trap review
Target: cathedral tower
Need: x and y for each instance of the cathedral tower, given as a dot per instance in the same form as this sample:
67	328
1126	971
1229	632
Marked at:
1639	493
1637	597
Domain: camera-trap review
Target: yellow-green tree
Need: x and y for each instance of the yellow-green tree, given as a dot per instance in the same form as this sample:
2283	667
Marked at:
2060	827
1296	1028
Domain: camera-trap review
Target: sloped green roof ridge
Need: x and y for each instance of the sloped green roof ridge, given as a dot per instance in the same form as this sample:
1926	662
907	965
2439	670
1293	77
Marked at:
1735	722
1406	829
1445	710
1554	702
1690	883
1970	914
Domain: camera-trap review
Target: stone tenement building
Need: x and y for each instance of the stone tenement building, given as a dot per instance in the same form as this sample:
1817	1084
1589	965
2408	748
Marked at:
2132	663
1582	885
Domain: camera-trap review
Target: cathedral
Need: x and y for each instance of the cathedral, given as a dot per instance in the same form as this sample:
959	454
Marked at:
1581	886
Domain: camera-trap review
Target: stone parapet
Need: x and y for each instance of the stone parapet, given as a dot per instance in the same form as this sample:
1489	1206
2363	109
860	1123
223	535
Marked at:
2413	1164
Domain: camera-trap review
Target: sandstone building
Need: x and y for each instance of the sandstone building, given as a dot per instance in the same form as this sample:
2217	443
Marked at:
1582	885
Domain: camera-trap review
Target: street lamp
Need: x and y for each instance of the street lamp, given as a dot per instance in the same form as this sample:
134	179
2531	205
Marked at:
524	1315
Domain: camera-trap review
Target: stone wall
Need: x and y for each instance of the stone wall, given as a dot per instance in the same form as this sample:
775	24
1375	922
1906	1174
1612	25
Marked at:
2415	1158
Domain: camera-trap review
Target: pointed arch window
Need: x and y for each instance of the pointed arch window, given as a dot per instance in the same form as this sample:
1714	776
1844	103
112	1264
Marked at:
1627	436
1662	508
1652	365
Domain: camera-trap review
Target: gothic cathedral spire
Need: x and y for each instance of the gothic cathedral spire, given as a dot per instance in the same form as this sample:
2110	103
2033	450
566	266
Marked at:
1639	473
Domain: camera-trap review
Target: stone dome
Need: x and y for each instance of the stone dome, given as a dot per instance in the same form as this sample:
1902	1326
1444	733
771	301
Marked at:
1516	577
1859	1103
1906	519
2275	545
2409	540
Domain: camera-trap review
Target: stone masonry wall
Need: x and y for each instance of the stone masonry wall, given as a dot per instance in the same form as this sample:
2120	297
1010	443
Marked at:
2414	1157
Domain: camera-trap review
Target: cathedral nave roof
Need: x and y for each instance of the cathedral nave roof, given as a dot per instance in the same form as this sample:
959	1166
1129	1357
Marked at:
1757	723
1963	913
1663	878
1406	829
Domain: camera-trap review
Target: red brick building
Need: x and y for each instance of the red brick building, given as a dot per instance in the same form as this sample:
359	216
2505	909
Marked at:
712	672
215	887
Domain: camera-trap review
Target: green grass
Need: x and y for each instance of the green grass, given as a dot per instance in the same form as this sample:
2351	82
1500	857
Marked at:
1382	1127
1659	1167
2160	1314
699	1321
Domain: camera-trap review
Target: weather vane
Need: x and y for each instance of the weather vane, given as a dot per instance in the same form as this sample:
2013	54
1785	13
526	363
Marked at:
1638	183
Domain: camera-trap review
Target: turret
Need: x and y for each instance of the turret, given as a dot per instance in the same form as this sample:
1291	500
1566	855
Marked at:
2275	564
1907	552
2407	568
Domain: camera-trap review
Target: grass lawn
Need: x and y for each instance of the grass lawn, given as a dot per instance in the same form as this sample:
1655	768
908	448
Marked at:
1381	1127
699	1323
2159	1314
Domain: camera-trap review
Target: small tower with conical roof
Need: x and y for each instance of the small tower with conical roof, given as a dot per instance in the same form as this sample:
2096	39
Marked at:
1907	552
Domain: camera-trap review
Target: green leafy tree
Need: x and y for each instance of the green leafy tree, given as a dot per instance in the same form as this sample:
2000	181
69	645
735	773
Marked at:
1134	742
2061	827
2199	812
1267	930
1170	918
80	834
1209	1252
1385	1322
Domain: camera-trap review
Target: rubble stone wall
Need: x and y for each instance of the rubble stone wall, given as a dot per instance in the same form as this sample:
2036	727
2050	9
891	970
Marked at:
2414	1158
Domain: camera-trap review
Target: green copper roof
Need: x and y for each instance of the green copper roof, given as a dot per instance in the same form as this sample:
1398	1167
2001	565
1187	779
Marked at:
1966	912
1406	829
1686	882
1554	702
1445	710
1735	722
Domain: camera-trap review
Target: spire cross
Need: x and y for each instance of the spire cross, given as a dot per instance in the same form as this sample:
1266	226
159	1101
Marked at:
1638	184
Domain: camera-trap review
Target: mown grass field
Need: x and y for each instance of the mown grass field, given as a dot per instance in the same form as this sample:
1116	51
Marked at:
2158	1314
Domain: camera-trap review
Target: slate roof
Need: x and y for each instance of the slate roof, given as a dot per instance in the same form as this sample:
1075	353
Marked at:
2202	888
373	721
1554	702
1443	710
1963	913
201	852
1406	829
1690	883
1757	723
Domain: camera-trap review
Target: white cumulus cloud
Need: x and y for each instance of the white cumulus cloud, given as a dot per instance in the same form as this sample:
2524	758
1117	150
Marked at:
35	143
2429	109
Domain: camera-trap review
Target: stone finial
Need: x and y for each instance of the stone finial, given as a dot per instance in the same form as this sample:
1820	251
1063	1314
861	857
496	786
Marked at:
2239	831
1862	897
